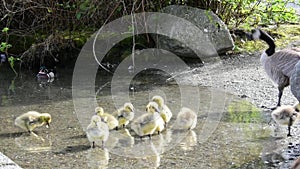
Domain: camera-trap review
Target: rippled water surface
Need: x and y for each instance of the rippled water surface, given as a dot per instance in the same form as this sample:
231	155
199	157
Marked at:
231	133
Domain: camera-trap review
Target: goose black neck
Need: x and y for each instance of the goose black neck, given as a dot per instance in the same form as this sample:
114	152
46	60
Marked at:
269	40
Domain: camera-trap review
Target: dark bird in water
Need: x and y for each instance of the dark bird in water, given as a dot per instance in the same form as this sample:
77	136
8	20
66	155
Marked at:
45	74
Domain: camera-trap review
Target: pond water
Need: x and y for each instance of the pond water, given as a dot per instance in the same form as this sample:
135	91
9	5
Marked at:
230	133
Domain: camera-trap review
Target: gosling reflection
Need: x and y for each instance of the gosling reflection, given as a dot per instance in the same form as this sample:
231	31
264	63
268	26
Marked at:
33	143
189	141
149	160
120	140
97	158
162	142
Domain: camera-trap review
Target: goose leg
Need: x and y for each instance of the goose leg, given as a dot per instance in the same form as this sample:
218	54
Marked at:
280	92
289	127
279	95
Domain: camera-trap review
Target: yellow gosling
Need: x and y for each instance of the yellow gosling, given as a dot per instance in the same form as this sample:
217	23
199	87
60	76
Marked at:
285	115
124	115
32	119
152	107
97	132
111	121
146	124
165	112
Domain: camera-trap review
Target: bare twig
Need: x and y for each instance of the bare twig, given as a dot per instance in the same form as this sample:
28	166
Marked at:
94	42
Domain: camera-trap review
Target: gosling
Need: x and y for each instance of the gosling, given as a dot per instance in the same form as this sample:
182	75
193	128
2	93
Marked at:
285	115
152	107
165	112
97	131
124	115
146	124
111	121
32	119
186	119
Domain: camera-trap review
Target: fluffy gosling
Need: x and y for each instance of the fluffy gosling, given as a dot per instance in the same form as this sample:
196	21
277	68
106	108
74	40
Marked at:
124	115
186	119
146	124
165	112
152	107
111	121
32	119
285	115
97	132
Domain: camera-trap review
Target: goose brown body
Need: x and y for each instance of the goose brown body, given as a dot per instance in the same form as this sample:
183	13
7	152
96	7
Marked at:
279	65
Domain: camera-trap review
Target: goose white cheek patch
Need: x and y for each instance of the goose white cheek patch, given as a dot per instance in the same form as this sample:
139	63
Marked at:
256	35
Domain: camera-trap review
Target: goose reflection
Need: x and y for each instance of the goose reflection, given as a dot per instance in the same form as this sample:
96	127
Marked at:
33	144
97	158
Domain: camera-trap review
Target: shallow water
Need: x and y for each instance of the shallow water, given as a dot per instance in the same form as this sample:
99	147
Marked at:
230	133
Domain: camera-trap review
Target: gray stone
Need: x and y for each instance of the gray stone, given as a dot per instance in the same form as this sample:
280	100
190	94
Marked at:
214	36
6	163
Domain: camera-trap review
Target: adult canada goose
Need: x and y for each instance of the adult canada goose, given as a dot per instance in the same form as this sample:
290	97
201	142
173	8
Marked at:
286	115
32	119
279	65
295	83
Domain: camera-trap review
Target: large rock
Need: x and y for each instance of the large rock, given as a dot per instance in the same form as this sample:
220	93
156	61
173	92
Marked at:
214	33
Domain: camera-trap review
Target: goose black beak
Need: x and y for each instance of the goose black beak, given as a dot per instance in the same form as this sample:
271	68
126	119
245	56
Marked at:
47	125
249	36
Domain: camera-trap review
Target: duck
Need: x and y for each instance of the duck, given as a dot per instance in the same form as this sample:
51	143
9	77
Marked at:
45	74
152	107
279	65
165	112
285	115
97	131
111	121
147	123
32	119
186	119
124	114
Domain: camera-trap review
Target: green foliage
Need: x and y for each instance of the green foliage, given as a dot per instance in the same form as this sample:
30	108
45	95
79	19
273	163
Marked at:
243	112
250	13
4	46
12	61
5	30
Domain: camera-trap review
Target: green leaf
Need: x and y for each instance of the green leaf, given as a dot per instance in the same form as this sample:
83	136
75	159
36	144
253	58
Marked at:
49	10
5	30
78	15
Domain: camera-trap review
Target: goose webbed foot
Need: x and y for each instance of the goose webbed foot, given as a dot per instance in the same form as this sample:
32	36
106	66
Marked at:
270	108
273	108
